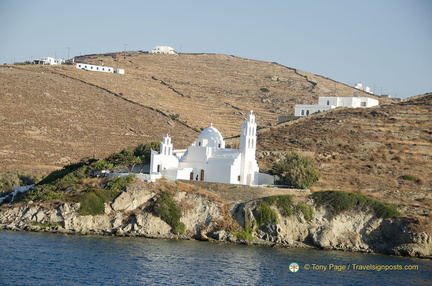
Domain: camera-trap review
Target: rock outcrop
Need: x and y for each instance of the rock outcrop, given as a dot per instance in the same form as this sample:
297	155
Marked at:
207	216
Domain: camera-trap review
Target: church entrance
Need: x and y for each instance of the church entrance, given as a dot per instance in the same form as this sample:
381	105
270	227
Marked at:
191	176
202	175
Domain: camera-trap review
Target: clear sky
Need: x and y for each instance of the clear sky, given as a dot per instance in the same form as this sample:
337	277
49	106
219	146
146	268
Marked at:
384	44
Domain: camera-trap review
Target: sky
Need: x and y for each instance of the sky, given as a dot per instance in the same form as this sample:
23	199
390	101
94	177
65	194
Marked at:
383	44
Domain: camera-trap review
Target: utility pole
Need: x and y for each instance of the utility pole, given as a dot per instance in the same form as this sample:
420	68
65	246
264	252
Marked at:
68	48
125	45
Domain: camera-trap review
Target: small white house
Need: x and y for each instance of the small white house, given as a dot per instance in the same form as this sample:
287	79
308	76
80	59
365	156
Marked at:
94	68
208	160
163	50
89	67
327	103
364	88
48	61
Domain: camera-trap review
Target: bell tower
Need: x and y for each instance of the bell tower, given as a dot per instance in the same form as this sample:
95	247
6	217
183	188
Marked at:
166	147
248	141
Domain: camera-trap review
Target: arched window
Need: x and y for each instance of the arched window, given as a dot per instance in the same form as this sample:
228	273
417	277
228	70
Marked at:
302	112
307	112
328	102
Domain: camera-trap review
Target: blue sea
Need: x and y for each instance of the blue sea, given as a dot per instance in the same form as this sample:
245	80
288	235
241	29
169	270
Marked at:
28	258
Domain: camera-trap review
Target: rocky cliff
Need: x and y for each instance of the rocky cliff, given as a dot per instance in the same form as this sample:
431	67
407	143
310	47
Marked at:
207	216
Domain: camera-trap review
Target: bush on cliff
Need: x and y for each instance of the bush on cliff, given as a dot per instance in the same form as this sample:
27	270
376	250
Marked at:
296	171
306	210
283	202
92	200
337	202
166	208
264	215
286	206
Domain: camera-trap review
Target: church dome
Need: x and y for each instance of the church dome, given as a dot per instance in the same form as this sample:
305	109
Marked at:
210	137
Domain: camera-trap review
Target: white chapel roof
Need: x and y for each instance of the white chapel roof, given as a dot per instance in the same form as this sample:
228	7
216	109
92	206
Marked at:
211	134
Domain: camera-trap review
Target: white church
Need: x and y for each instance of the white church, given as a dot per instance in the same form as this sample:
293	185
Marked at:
208	160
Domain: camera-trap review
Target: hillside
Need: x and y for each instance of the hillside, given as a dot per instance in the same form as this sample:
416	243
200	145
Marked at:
206	87
365	150
49	121
54	115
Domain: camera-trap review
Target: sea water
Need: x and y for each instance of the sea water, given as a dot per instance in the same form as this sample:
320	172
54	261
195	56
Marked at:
28	258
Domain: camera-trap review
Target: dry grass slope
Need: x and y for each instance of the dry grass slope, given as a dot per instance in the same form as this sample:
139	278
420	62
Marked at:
365	150
54	115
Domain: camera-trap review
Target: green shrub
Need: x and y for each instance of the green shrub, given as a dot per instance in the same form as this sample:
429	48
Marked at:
40	193
296	170
66	170
306	210
283	202
100	165
174	116
10	180
92	200
166	208
120	183
264	214
125	158
410	178
244	234
263	89
144	151
338	201
50	195
179	228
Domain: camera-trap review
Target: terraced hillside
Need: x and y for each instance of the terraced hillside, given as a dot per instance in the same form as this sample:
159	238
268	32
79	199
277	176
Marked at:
385	151
52	115
211	88
48	121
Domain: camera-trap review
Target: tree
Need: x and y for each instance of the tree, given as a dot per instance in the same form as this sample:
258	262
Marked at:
296	170
144	152
125	158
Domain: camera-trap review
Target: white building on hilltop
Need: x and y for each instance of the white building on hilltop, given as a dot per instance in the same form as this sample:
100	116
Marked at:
163	50
48	61
327	103
90	67
207	159
364	88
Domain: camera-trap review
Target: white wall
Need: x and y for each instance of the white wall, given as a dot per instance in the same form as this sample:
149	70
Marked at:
163	50
304	110
265	179
94	68
52	61
327	103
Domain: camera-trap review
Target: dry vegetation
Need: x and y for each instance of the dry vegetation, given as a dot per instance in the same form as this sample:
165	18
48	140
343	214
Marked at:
52	116
369	151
